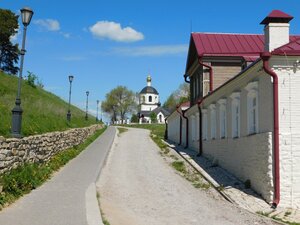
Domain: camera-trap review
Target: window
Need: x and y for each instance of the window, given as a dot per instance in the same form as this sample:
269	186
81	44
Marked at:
193	128
204	124
213	121
150	98
222	116
235	114
197	126
252	107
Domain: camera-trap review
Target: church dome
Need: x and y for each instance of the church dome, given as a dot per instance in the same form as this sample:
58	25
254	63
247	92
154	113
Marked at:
149	90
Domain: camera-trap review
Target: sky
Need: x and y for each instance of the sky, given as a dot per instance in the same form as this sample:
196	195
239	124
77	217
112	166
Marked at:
106	43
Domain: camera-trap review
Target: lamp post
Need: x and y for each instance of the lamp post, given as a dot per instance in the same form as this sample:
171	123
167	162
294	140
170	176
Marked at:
97	111
17	111
69	109
87	105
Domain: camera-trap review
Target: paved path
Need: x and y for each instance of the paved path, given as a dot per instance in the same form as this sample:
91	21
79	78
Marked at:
138	187
62	200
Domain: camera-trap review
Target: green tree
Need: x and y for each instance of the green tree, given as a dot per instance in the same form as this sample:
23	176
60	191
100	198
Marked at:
9	53
153	117
134	118
180	95
119	102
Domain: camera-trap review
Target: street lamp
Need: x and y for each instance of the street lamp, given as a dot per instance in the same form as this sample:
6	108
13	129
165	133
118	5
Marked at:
87	105
97	111
69	109
17	111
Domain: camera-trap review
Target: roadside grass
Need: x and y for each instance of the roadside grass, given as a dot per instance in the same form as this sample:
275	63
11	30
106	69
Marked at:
283	220
42	111
29	176
122	130
183	168
104	220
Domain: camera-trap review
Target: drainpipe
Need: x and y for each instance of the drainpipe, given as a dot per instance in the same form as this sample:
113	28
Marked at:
186	130
200	127
166	130
180	125
265	57
210	74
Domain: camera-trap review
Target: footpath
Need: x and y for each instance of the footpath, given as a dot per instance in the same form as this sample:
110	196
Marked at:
69	197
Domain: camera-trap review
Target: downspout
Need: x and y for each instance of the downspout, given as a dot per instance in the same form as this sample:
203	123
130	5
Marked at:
210	74
166	130
200	127
185	78
186	130
265	57
180	125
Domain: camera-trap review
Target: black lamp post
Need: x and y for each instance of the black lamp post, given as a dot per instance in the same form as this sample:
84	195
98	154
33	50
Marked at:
87	105
17	110
97	111
69	109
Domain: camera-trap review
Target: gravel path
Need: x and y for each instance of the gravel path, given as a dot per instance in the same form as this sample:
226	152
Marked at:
138	187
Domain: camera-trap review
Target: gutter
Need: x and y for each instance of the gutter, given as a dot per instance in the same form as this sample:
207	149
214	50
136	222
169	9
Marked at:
186	130
210	74
265	57
180	125
185	78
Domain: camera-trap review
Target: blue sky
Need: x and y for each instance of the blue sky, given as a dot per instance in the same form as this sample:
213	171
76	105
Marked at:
113	42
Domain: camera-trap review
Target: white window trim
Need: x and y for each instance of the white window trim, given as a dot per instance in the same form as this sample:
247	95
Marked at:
204	124
252	89
193	128
213	121
197	126
222	120
235	101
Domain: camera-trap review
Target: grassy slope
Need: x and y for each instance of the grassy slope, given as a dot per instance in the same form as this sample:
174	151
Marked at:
42	110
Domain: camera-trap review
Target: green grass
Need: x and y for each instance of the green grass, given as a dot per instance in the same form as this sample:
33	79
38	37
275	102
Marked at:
42	110
157	132
179	166
122	130
27	177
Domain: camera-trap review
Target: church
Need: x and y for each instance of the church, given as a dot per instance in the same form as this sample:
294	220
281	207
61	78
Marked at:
149	105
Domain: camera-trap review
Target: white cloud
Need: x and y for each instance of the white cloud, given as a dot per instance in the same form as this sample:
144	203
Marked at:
48	24
156	50
14	38
65	35
114	31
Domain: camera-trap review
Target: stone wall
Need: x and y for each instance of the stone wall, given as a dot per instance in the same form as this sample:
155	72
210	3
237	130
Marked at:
40	148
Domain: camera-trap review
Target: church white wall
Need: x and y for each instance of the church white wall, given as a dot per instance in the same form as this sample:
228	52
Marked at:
289	128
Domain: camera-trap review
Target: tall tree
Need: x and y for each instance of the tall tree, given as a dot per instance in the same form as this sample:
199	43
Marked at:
9	53
180	95
119	102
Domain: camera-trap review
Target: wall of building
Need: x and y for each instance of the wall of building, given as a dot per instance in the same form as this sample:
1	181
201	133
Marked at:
40	148
248	157
146	105
289	127
174	127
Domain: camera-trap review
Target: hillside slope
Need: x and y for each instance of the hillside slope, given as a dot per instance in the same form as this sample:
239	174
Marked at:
42	110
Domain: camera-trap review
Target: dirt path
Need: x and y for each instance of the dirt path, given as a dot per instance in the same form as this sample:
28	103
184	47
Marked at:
138	187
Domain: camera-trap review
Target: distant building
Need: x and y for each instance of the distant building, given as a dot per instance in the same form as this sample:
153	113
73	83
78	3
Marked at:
149	103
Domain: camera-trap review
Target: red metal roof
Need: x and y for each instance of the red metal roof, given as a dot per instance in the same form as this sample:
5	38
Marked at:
277	16
244	45
292	48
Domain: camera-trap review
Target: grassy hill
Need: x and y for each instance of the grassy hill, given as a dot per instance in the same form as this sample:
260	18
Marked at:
42	110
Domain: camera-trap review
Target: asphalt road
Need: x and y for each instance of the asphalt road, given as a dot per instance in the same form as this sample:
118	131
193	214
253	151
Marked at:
65	199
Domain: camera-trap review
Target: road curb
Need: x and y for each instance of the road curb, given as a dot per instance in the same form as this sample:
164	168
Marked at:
93	211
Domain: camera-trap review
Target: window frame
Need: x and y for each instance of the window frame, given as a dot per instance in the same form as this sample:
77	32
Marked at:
235	114
252	118
213	122
222	118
